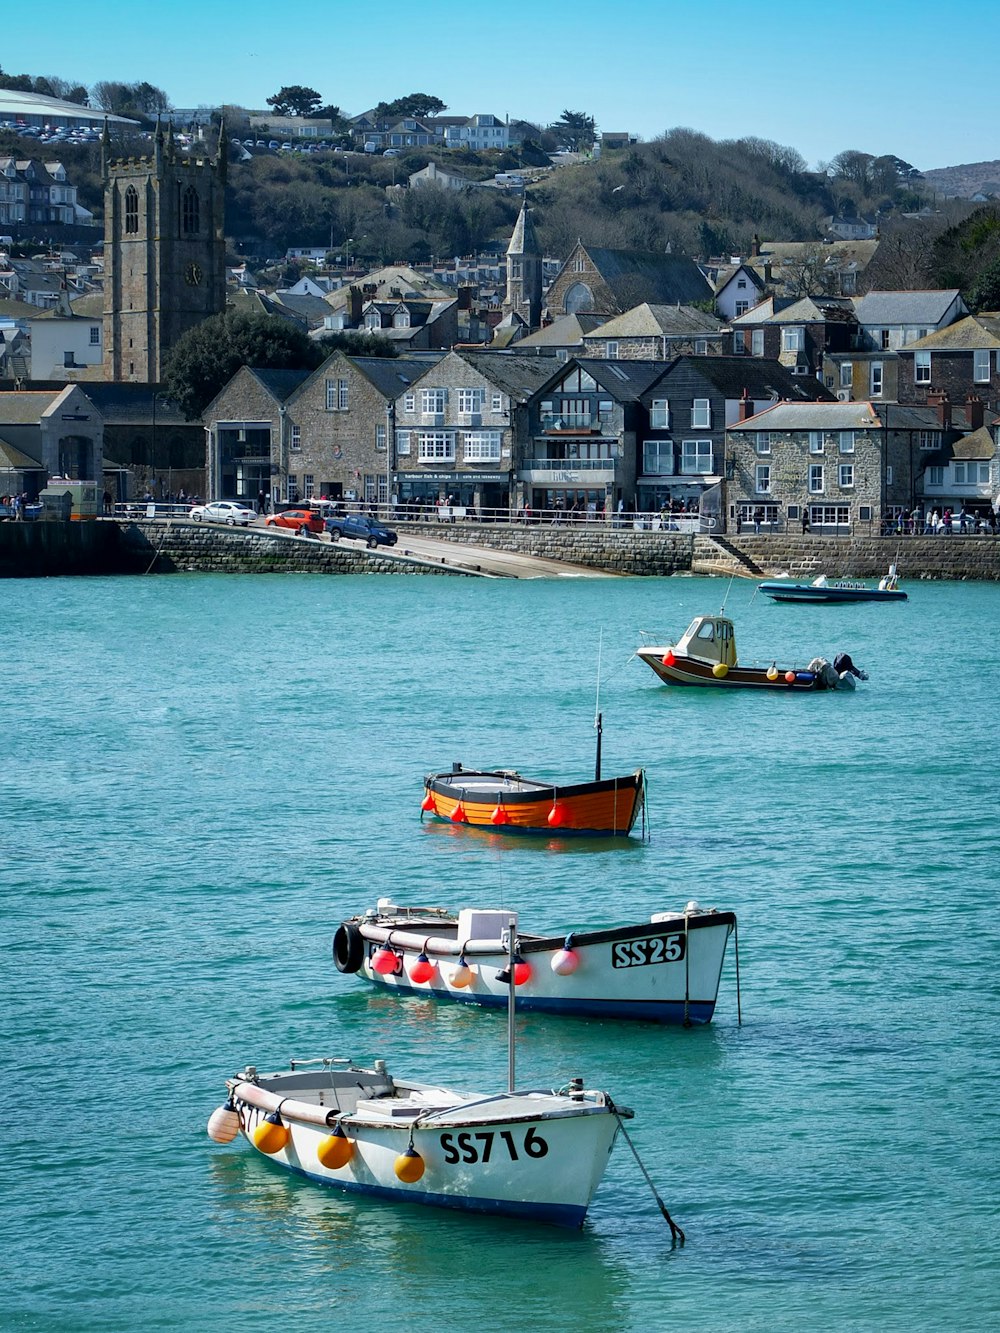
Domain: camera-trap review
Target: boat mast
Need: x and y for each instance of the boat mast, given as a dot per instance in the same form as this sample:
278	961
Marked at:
510	1004
598	723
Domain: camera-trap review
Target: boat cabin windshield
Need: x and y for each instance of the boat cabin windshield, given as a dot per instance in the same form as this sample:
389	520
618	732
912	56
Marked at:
710	638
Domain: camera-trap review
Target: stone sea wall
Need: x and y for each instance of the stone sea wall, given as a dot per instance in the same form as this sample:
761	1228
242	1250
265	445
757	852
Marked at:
594	545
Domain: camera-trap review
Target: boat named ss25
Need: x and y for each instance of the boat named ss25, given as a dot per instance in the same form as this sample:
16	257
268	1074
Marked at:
666	969
532	1154
705	654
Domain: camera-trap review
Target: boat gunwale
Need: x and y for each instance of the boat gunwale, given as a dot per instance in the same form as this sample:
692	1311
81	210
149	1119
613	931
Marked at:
442	784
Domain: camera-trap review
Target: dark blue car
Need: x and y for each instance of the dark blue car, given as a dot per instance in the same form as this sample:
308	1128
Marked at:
367	529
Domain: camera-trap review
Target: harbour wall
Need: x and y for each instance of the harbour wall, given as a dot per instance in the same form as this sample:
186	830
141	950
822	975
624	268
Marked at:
138	547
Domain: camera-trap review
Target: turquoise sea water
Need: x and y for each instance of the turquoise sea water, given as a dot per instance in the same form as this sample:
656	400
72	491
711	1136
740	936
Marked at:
201	775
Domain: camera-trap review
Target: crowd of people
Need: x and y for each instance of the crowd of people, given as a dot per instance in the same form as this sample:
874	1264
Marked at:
934	522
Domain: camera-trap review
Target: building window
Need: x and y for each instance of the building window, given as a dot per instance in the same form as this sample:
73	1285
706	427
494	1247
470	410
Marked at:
696	456
741	307
793	339
402	443
845	474
929	439
579	264
496	403
701	347
829	516
658	458
331	395
846	374
847	441
888	476
921	367
131	211
435	446
883	339
295	443
308	485
293	488
935	476
409	402
815	441
605	408
470	401
876	379
741	283
981	365
701	414
763	442
342	387
482	446
816	479
659	414
762	479
757	342
190	212
431	401
611	351
380	438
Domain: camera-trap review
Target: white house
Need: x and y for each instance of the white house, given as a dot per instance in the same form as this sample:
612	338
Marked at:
62	343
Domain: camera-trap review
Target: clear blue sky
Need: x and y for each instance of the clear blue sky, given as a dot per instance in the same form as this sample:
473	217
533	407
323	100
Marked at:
884	76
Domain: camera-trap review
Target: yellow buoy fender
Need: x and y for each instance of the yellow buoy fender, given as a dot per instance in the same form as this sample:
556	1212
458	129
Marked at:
409	1166
336	1150
271	1135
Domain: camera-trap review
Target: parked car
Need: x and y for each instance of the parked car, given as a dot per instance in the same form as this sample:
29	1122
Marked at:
361	526
302	520
223	511
392	152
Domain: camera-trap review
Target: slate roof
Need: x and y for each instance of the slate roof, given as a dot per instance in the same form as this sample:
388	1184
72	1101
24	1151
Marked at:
725	275
393	375
812	310
664	279
648	320
312	309
523	239
973	332
730	375
921	307
392	283
831	416
567	331
122	403
514	374
26	407
625	381
10	457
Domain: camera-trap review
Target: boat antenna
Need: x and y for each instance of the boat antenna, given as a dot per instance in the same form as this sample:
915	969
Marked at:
598	721
722	608
510	1003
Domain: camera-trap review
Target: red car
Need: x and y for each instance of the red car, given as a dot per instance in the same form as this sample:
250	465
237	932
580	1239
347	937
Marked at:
303	521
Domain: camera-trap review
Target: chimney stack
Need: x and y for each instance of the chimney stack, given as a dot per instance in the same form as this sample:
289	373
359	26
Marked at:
746	406
755	247
974	411
354	306
941	403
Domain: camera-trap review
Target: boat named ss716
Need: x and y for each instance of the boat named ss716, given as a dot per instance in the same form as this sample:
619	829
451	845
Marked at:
666	969
531	1154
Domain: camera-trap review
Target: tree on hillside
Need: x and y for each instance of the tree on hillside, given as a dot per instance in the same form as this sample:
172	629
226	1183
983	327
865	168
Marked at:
294	100
358	344
810	274
416	105
575	129
208	356
129	99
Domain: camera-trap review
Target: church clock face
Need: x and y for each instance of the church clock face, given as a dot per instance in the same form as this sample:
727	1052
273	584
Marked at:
193	275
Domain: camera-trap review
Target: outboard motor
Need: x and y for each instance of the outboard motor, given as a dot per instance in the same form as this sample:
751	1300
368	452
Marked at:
842	663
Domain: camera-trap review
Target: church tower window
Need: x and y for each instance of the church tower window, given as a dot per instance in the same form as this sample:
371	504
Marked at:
190	211
131	211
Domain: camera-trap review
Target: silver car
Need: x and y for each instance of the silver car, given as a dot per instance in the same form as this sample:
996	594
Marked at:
223	511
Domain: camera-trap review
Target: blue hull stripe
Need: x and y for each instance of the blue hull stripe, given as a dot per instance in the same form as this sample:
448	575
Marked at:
553	1214
655	1011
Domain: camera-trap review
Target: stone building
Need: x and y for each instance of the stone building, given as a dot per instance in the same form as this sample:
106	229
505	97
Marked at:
247	434
524	272
49	433
164	253
658	333
843	466
461	427
959	360
609	282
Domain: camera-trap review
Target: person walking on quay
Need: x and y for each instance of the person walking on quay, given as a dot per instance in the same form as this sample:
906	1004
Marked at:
758	518
805	521
262	501
917	520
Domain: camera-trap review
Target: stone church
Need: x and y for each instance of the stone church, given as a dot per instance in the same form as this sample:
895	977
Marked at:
164	253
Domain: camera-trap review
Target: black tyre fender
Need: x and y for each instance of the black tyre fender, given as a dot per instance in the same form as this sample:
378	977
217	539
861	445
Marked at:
348	948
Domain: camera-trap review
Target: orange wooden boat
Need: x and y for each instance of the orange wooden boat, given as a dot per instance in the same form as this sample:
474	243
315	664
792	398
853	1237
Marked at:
503	801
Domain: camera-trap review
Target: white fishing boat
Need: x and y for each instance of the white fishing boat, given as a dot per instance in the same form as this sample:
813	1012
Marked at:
530	1153
666	969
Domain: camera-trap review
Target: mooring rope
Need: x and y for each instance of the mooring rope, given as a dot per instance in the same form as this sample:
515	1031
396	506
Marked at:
676	1232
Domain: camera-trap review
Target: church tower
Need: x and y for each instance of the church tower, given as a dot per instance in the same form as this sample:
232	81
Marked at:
524	272
164	252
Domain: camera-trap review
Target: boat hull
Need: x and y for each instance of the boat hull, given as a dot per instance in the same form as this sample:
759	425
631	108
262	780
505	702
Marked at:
532	1156
665	971
780	591
685	670
506	803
